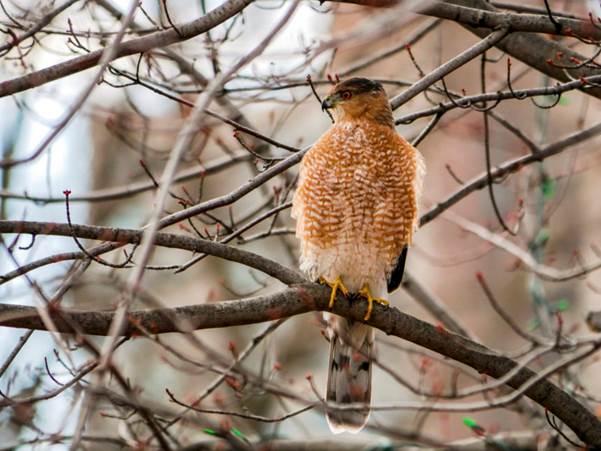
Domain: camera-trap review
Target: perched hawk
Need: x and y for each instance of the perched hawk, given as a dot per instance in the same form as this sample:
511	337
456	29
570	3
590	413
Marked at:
356	211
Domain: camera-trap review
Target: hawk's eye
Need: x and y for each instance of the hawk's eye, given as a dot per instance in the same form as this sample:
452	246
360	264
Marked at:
346	95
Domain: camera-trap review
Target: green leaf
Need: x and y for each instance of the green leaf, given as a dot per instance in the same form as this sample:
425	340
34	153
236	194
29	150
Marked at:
237	433
549	187
475	427
209	431
470	422
564	101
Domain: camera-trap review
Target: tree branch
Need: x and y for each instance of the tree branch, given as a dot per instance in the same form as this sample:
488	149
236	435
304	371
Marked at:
509	167
534	50
133	236
133	46
584	83
215	166
304	298
531	23
464	57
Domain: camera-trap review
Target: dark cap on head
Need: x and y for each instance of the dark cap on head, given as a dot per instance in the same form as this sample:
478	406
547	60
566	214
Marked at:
360	97
359	85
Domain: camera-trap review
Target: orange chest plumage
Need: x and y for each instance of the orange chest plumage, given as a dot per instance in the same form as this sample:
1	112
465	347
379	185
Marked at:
358	183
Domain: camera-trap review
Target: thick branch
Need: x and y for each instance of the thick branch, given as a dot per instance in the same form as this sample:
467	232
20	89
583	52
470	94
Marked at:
311	297
133	236
533	23
534	50
139	45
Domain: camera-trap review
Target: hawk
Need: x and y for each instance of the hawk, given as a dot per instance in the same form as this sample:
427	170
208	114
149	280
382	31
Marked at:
356	212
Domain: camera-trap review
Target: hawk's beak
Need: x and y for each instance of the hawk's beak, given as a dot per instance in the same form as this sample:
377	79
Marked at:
326	104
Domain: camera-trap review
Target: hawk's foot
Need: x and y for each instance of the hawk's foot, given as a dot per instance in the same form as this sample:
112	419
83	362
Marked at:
366	293
335	286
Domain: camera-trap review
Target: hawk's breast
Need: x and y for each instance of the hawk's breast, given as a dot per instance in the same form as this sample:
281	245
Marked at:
356	203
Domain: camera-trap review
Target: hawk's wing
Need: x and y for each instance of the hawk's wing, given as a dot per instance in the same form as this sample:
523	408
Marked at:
396	275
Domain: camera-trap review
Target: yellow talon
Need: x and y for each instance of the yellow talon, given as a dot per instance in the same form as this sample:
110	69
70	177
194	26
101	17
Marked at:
364	291
335	286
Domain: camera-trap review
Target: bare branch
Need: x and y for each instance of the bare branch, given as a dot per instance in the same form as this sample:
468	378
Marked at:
140	45
311	297
509	167
437	74
532	23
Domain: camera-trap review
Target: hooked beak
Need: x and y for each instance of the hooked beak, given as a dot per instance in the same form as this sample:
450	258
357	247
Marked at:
326	104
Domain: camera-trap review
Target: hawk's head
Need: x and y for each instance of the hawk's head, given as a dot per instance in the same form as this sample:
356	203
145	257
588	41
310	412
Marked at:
359	98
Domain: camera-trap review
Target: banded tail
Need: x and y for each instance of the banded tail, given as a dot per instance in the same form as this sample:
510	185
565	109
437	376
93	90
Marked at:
349	373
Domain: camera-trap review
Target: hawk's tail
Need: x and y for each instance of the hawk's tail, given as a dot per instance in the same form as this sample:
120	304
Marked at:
349	373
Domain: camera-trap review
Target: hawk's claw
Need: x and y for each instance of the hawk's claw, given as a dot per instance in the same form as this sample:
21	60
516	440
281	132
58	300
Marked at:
335	286
366	293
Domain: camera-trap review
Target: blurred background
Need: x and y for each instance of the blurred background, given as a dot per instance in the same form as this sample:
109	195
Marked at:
553	206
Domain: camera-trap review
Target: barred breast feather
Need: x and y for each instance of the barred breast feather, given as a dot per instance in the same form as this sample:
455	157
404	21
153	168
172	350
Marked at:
356	203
